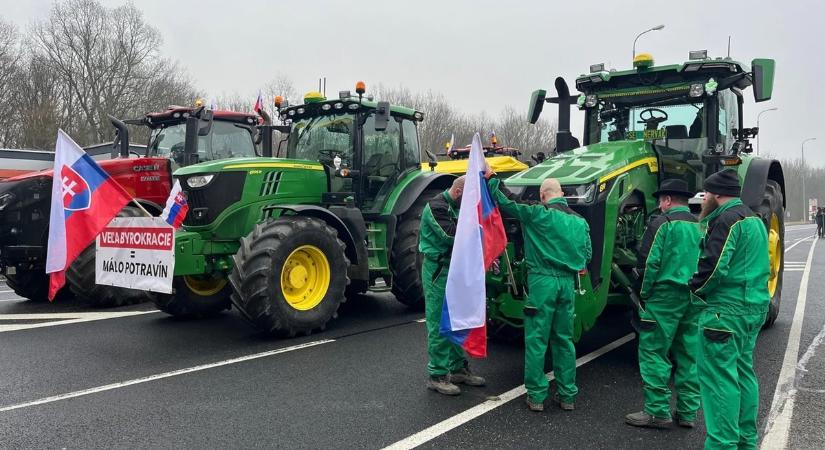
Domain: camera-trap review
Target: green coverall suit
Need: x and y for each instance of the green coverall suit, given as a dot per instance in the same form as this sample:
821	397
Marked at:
668	256
731	283
556	248
438	225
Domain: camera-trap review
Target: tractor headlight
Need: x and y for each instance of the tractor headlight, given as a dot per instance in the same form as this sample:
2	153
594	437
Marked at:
198	181
579	193
5	200
590	101
696	90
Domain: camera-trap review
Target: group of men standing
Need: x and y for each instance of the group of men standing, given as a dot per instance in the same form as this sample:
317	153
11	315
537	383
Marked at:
704	286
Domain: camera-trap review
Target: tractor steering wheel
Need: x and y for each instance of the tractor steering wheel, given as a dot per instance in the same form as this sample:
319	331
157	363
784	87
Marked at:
652	122
135	153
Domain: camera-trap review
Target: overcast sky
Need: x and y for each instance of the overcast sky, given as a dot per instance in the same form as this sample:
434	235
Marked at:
483	54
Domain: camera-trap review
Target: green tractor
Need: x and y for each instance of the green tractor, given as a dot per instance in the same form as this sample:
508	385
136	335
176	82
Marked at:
334	213
642	126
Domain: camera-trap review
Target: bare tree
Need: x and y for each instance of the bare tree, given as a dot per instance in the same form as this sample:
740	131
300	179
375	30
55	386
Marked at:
9	60
280	85
109	59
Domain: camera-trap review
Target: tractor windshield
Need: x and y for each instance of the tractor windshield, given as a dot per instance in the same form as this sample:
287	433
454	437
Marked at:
321	138
225	140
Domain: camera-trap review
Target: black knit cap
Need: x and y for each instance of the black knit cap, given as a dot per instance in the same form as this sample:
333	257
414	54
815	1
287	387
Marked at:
673	187
725	182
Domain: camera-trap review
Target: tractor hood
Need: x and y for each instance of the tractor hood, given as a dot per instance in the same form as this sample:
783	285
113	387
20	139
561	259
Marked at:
597	162
246	164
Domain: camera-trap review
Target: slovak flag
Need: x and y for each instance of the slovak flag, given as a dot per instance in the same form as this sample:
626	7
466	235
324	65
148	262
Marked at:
84	201
176	207
259	102
479	240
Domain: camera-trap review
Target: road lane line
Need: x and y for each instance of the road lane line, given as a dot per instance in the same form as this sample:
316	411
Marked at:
459	419
6	291
797	243
174	373
779	418
70	318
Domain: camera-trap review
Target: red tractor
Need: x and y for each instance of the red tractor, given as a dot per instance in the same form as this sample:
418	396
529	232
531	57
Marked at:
179	136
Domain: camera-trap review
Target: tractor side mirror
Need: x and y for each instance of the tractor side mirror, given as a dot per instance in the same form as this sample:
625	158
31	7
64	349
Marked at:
205	122
537	100
762	78
382	116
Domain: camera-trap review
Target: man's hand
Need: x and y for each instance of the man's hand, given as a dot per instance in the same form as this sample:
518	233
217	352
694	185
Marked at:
488	173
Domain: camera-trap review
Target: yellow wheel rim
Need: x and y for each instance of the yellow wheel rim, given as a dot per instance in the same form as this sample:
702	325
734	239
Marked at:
204	286
305	277
775	253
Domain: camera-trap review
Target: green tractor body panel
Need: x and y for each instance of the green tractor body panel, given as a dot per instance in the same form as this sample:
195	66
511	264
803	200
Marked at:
641	126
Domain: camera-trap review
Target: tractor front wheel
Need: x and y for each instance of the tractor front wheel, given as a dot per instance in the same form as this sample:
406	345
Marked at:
773	215
30	284
195	296
406	259
289	275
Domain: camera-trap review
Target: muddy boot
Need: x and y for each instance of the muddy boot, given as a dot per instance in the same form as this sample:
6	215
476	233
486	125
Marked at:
567	406
464	376
534	406
442	385
643	419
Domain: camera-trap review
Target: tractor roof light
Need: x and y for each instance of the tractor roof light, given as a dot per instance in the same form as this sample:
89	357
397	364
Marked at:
597	68
694	55
313	97
418	116
199	102
360	88
643	61
343	95
326	106
278	101
339	105
301	110
591	101
696	90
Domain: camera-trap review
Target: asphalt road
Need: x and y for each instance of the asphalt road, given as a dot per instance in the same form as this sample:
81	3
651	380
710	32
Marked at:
70	379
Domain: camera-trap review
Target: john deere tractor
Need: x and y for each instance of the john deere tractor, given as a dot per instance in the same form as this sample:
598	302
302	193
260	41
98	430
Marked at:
641	126
335	212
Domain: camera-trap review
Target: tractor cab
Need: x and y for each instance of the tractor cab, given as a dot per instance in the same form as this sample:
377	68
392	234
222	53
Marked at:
690	113
365	146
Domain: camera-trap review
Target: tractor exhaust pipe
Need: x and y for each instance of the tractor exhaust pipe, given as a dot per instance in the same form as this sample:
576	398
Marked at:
564	140
121	143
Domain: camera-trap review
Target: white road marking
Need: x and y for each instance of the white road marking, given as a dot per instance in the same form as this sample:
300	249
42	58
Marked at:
63	318
457	420
421	320
779	418
797	243
6	291
160	376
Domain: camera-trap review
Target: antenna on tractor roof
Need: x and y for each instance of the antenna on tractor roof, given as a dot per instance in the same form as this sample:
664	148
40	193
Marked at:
728	46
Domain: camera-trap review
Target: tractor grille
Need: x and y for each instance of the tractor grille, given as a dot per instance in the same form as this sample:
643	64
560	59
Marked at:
208	202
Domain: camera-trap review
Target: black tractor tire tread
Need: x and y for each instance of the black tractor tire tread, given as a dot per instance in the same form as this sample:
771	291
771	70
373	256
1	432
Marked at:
405	262
772	203
80	278
186	305
255	277
30	284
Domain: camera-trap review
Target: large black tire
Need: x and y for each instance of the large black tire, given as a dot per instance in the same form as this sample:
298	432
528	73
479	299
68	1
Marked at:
195	297
30	284
771	209
81	278
261	275
405	259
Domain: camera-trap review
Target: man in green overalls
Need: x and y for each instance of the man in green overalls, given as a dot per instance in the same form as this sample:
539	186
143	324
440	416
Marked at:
731	283
448	364
667	260
556	248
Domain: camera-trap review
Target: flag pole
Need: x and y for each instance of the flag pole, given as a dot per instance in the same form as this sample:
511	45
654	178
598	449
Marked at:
137	203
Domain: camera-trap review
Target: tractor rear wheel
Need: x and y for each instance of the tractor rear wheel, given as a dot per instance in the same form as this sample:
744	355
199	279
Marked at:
773	216
81	278
289	275
30	284
405	261
195	297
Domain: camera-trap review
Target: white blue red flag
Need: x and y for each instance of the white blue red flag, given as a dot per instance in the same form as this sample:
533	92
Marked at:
259	102
84	201
176	207
479	240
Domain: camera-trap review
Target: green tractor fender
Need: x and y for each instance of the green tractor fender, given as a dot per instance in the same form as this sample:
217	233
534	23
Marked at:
756	177
407	194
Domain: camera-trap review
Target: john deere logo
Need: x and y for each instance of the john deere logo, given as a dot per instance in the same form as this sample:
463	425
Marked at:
76	193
